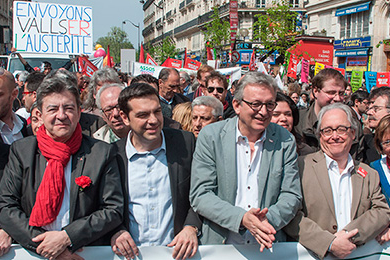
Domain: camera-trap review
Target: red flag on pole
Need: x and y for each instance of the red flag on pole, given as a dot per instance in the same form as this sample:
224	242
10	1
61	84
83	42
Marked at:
150	60
141	55
185	56
172	63
108	60
252	64
86	67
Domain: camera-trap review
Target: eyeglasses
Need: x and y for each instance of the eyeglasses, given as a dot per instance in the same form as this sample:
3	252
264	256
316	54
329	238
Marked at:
377	108
385	144
340	130
257	105
219	90
109	110
332	93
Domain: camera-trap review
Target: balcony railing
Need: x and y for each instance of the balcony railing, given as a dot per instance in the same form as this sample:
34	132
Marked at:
182	5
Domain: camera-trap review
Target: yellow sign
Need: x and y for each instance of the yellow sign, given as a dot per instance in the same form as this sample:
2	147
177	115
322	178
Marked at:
318	67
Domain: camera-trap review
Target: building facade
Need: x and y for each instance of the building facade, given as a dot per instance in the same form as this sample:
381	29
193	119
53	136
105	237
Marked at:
182	21
358	28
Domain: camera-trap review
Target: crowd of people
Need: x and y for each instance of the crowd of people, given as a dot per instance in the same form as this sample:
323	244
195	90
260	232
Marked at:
186	160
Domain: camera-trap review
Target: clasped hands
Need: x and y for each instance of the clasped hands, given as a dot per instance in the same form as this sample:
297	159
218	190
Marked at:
185	243
256	222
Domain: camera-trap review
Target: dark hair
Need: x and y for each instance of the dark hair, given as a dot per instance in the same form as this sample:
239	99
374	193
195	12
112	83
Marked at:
203	69
380	92
327	74
135	90
34	79
58	82
359	95
46	64
280	97
380	130
147	78
165	72
216	75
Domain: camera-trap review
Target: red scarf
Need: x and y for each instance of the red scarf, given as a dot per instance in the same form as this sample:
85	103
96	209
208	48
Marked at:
51	190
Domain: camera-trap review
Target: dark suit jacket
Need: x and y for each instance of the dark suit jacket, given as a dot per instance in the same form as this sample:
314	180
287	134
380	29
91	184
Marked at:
90	123
93	212
180	146
370	153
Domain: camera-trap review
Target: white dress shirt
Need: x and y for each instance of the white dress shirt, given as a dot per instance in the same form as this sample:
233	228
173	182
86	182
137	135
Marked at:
62	219
341	190
11	135
150	198
385	168
247	182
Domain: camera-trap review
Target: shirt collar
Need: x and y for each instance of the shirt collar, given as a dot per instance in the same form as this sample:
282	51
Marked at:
166	101
330	163
18	123
240	136
131	151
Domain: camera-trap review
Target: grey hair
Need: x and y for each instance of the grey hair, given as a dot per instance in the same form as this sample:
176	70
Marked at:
106	86
103	75
185	76
347	110
209	101
254	77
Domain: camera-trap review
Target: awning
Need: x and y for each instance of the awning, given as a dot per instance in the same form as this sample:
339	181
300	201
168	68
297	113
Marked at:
353	9
353	52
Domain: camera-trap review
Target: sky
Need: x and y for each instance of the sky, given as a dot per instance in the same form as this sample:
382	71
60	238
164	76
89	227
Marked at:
109	13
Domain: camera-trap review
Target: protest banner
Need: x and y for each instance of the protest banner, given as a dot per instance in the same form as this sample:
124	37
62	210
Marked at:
292	67
342	71
318	67
52	28
172	63
305	71
86	67
382	79
356	80
192	64
370	77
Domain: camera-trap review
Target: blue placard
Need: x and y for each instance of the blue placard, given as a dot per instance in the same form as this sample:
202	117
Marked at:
353	43
349	53
353	9
370	79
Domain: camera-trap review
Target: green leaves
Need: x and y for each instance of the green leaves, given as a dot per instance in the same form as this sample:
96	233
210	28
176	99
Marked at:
217	31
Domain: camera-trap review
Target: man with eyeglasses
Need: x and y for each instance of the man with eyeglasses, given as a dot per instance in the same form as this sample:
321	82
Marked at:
244	179
328	87
107	102
343	206
379	106
216	86
168	81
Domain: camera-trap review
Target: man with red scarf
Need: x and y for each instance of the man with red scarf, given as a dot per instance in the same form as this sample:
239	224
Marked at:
61	189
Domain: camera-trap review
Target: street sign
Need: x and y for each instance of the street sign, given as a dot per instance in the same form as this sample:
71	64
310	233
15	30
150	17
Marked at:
235	56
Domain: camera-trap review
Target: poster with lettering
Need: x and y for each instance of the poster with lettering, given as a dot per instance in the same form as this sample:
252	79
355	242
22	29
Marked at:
52	28
370	79
318	68
356	80
305	71
382	79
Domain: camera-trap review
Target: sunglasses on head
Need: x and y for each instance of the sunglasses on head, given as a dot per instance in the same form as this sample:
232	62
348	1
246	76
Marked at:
219	90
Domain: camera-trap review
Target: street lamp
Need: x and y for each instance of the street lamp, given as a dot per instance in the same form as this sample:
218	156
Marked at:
136	26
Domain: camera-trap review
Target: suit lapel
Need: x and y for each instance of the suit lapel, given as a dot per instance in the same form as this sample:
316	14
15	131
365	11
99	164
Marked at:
228	138
78	160
357	186
122	153
172	166
321	172
266	158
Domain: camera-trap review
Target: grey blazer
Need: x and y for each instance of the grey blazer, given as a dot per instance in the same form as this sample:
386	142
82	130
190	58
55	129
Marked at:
214	180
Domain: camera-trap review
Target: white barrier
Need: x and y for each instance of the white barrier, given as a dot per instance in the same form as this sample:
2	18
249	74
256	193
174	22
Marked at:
280	251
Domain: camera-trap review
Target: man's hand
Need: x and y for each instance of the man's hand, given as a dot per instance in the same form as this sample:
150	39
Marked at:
53	243
123	244
256	222
342	245
13	49
67	255
186	243
5	242
384	236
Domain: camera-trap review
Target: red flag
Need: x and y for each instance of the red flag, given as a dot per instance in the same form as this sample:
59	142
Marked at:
252	64
292	67
172	63
141	55
209	53
185	56
150	60
87	67
192	64
108	61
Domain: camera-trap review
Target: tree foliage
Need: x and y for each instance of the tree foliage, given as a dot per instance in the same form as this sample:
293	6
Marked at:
217	31
275	28
117	39
163	51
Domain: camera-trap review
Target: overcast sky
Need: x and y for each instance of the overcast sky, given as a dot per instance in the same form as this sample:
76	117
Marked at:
109	13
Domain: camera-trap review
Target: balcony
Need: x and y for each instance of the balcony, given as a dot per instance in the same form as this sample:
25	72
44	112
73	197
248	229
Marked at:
147	30
190	2
182	5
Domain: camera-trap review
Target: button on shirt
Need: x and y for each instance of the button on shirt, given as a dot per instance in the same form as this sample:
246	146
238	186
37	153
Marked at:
62	219
341	190
150	198
247	182
11	135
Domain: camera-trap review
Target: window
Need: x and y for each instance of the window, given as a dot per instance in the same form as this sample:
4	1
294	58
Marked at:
294	3
260	3
354	25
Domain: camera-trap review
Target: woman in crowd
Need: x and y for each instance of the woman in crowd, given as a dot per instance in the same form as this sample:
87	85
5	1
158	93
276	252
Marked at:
303	101
182	113
286	114
382	144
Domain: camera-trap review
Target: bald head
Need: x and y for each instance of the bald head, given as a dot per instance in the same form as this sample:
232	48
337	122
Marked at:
7	79
8	93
